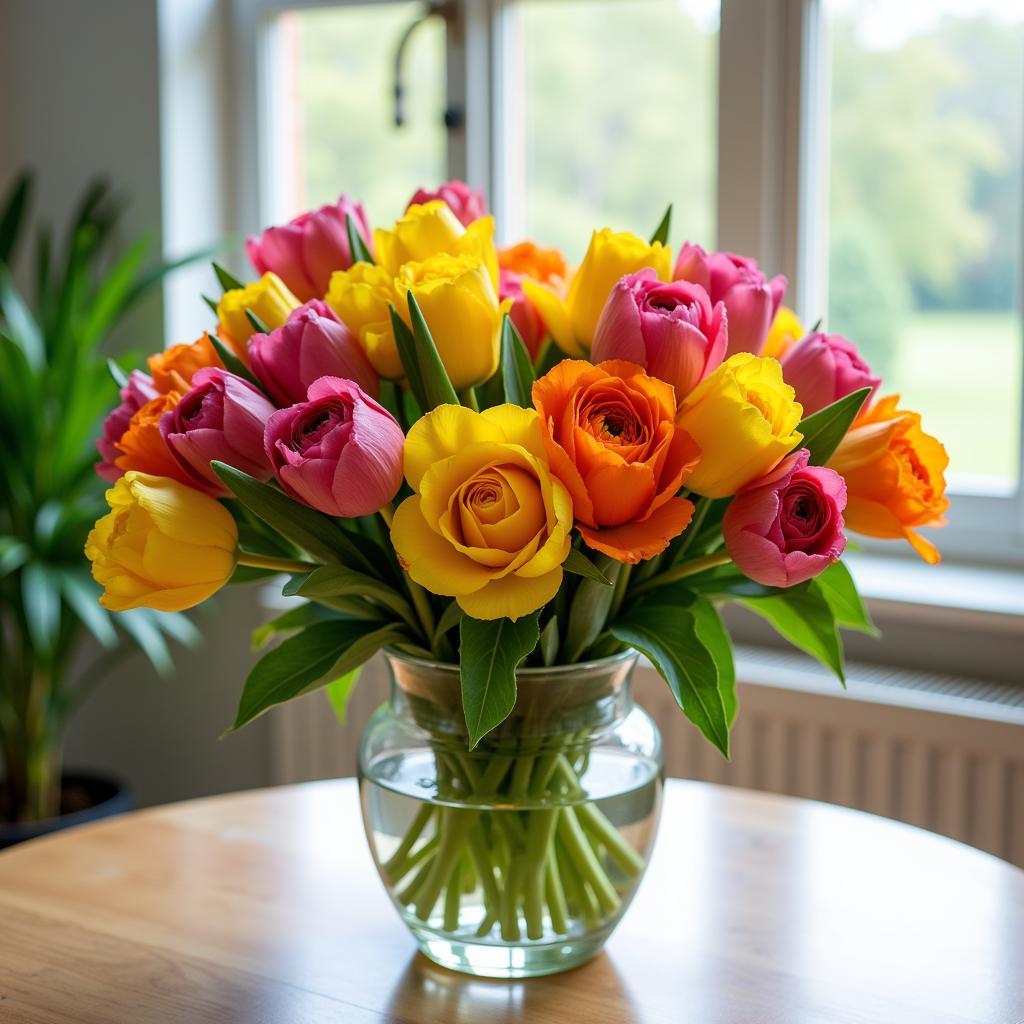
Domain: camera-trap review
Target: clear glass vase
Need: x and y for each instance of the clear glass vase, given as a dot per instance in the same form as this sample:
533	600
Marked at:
519	857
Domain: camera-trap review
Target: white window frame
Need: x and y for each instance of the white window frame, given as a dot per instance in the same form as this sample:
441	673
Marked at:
772	166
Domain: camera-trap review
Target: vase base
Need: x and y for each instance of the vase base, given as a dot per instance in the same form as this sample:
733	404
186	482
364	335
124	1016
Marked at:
529	960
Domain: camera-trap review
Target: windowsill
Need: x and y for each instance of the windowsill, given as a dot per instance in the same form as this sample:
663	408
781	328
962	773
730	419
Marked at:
970	595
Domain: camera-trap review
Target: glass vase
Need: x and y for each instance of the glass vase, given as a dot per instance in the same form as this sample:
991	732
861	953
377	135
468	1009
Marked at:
516	858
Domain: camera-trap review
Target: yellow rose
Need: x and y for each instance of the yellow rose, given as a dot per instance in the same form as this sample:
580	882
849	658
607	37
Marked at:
488	525
427	229
162	545
461	308
270	300
572	320
786	331
361	296
744	417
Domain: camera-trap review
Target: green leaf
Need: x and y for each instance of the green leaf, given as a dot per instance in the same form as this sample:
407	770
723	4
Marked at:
228	282
114	293
140	625
489	653
337	581
14	206
824	429
450	618
255	322
211	303
178	626
356	245
13	555
516	369
406	345
727	581
294	619
588	612
117	375
308	529
437	388
549	641
579	565
339	690
82	596
305	662
664	227
712	634
40	595
231	362
839	590
22	328
668	636
804	618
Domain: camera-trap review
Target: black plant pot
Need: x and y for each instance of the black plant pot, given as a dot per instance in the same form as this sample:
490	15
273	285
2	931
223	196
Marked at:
93	796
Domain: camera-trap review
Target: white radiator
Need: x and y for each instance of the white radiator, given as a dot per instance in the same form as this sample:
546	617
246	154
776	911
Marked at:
943	753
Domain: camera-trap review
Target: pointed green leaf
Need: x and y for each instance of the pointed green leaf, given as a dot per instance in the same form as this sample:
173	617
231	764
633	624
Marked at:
516	369
712	634
21	328
838	588
437	388
406	345
40	596
228	282
139	625
231	362
212	303
14	206
824	429
588	612
356	244
579	565
661	232
255	322
13	555
450	618
291	621
339	690
489	653
82	596
119	377
549	641
337	581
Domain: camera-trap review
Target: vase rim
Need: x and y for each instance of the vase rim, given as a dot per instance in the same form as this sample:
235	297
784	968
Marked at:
533	670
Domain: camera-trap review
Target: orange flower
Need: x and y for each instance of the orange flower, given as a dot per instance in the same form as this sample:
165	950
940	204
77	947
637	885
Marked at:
142	446
544	265
894	476
172	369
611	438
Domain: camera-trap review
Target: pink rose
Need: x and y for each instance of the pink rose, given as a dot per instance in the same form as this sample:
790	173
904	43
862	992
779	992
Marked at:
824	368
306	251
671	330
523	312
340	452
134	395
466	203
751	300
787	526
221	417
309	346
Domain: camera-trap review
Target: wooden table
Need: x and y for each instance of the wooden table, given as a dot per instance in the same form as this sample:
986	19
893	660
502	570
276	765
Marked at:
264	907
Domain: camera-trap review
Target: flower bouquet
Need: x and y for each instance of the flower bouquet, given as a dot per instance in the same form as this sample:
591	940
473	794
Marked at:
511	477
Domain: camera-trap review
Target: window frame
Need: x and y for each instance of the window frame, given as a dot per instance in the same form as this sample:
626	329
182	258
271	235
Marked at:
773	107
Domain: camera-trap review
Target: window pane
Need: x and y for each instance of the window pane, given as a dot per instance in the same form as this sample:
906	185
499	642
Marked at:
925	222
336	112
619	111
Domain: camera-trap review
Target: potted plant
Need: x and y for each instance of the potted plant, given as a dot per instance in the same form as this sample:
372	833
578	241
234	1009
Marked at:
55	384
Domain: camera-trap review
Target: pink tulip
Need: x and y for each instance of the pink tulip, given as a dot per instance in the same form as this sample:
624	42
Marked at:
751	300
309	346
671	330
134	395
523	313
824	368
466	203
221	417
340	452
306	251
787	526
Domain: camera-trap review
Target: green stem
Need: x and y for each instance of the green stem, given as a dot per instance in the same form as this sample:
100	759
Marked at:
269	562
468	399
680	572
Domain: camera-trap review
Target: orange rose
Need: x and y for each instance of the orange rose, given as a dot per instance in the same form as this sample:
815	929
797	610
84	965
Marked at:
142	446
894	476
544	265
611	438
172	369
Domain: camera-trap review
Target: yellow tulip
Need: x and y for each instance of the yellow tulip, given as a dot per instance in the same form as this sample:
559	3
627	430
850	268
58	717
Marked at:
461	309
744	418
361	296
162	545
268	298
488	525
572	319
786	331
427	229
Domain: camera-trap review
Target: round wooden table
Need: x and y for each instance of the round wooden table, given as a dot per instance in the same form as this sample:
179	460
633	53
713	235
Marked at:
265	907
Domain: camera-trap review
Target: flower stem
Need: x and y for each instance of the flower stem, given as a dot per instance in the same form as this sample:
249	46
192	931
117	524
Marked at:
468	399
680	572
280	564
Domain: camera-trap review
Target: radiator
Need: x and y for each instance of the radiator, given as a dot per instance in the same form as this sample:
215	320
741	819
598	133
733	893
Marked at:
943	753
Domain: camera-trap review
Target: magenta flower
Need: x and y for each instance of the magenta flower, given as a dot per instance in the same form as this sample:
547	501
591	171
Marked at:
671	330
340	452
306	251
134	395
221	417
824	368
309	346
751	300
787	526
466	203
